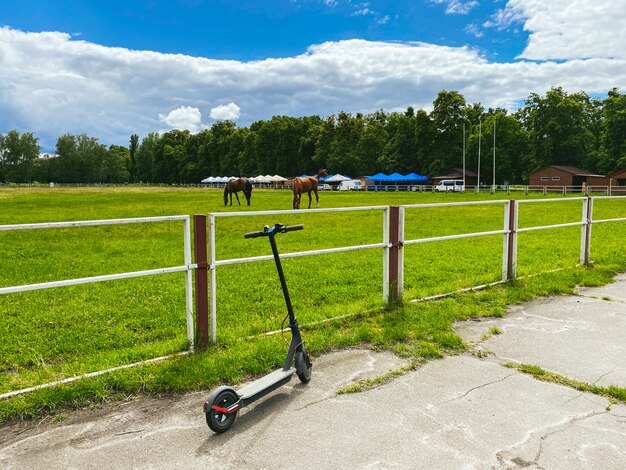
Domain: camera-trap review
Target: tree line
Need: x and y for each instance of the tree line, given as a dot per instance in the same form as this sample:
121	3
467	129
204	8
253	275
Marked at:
558	128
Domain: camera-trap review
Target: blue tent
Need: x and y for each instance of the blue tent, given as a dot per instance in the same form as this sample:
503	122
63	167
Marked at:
377	177
416	177
396	177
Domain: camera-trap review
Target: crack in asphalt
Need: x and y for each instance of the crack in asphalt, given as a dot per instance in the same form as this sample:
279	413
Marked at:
562	428
603	375
520	462
478	387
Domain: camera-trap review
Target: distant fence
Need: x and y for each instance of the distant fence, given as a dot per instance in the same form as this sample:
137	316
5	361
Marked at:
505	189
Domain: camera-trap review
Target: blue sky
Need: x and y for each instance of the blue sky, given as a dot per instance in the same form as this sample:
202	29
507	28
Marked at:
252	30
112	68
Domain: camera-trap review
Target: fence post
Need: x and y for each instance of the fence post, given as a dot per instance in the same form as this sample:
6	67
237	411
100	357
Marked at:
188	284
386	254
509	249
200	258
393	254
585	232
213	280
401	253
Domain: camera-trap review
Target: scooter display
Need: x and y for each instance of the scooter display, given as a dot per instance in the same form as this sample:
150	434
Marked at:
223	403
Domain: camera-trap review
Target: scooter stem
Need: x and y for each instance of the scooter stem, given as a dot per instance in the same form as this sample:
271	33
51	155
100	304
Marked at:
281	276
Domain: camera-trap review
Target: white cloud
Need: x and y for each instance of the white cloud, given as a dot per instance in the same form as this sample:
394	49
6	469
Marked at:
225	112
51	84
568	29
457	7
474	30
184	118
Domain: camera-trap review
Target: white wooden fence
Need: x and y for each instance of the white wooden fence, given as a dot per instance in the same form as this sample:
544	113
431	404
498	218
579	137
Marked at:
392	275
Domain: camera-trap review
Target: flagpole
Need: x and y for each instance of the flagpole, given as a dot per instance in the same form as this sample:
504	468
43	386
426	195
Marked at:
480	130
494	152
464	156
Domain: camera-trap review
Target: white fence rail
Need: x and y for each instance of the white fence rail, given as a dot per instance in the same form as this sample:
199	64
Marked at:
188	267
509	232
214	263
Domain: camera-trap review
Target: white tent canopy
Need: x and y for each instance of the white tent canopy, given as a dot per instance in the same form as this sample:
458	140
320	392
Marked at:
336	179
278	179
262	179
218	179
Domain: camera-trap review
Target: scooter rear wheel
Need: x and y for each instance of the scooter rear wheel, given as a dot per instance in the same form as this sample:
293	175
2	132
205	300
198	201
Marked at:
219	421
303	365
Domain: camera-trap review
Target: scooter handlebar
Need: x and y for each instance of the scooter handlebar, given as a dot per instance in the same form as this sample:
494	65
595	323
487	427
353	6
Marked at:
253	235
278	227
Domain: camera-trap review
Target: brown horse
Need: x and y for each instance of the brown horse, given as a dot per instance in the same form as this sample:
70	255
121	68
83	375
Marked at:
306	185
236	185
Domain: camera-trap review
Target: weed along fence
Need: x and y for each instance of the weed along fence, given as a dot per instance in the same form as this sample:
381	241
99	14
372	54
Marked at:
393	245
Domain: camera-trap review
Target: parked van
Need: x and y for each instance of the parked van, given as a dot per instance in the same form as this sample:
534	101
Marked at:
450	185
350	185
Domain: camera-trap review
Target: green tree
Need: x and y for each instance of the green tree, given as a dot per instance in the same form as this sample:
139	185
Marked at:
559	127
80	159
371	143
145	170
511	151
448	115
324	136
116	165
18	155
342	156
2	154
169	153
613	139
401	151
424	140
134	143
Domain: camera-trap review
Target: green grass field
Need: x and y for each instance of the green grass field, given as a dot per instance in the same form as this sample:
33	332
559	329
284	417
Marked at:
52	334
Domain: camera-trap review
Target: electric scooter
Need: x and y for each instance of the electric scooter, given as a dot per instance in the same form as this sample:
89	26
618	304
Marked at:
224	402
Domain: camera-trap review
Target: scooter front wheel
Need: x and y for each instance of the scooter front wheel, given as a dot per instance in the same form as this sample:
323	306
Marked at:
303	365
219	413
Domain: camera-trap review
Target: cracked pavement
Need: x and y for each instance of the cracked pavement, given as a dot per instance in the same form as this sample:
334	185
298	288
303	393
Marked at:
461	412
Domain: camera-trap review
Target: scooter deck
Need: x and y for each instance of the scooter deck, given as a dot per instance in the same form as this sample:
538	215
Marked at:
261	387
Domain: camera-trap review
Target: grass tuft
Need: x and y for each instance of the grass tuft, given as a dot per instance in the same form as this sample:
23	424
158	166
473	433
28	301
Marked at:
612	392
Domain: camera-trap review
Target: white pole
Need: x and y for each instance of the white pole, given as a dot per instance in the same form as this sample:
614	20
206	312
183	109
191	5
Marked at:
480	129
213	280
463	155
188	282
386	254
494	153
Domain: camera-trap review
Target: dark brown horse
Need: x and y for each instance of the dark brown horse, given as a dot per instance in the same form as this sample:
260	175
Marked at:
236	185
306	185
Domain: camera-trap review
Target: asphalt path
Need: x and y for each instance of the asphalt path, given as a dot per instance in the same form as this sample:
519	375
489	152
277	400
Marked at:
461	412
